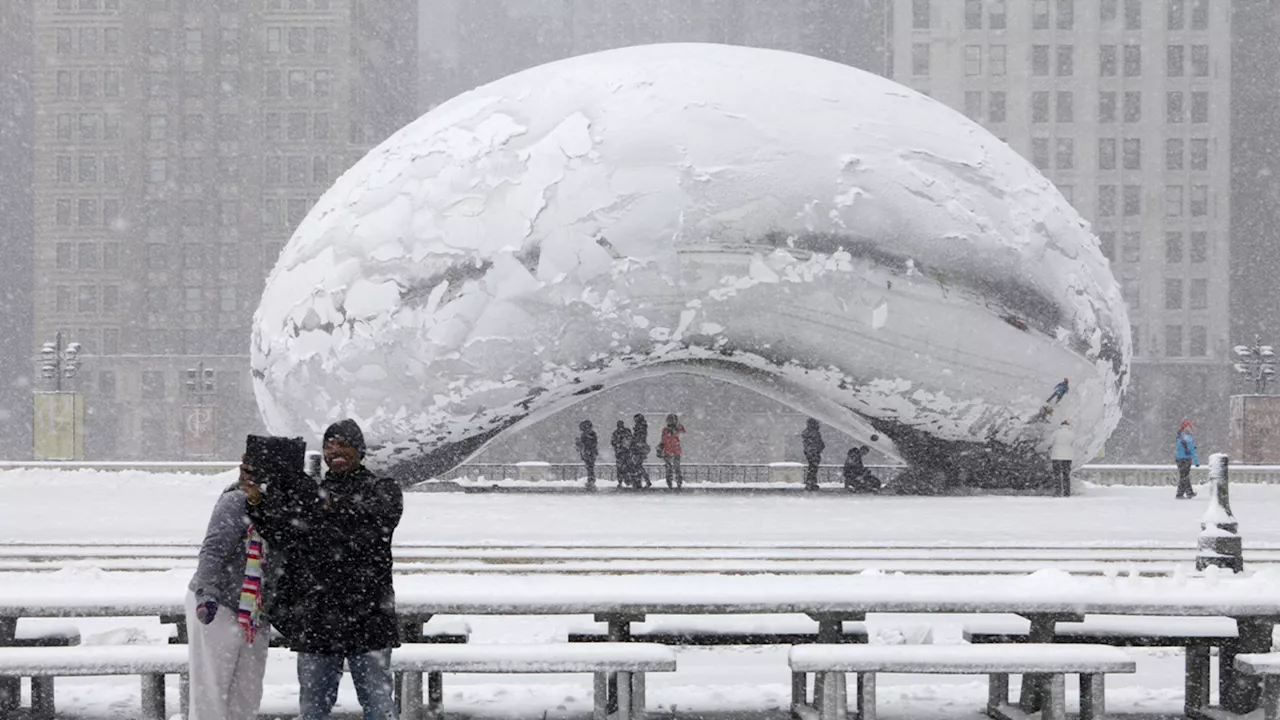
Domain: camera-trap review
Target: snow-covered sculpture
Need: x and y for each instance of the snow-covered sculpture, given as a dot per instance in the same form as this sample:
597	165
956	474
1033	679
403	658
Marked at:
816	233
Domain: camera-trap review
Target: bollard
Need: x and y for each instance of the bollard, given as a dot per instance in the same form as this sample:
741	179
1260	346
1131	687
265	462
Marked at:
1219	543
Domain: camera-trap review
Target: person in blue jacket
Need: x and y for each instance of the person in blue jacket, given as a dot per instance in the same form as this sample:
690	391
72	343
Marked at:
1185	454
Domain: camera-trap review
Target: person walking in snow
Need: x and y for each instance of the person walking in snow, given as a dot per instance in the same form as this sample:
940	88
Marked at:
588	449
1059	391
621	442
228	631
336	593
813	447
640	450
1184	455
1062	453
669	447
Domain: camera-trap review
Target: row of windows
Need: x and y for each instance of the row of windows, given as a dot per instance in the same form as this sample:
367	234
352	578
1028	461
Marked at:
299	40
86	212
161	300
1064	106
1064	14
88	84
87	256
297	84
1175	252
293	126
87	299
65	6
95	212
1198	345
88	127
93	41
285	213
160	41
1131	200
87	170
88	339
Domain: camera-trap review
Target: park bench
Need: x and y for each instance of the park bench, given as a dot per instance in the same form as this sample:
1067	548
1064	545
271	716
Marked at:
1054	662
1196	635
1267	665
625	661
436	630
42	664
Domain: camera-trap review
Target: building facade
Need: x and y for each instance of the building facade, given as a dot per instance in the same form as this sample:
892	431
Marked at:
177	145
1126	106
17	239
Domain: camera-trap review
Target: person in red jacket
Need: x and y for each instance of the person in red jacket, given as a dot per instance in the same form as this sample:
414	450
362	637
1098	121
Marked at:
671	450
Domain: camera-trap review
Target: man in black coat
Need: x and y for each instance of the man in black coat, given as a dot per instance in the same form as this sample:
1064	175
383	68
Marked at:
335	601
813	447
621	442
588	449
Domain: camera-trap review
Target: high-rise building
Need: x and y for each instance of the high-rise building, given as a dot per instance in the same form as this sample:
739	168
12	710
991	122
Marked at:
1126	106
178	144
17	132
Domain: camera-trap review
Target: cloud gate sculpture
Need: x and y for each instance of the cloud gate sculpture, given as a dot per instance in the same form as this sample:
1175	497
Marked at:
815	233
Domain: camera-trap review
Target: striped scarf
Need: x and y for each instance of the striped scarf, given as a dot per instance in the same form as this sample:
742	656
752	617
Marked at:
251	590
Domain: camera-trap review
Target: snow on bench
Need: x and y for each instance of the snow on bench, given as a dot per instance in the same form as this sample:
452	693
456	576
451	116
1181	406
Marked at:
43	664
747	629
1268	666
30	634
627	662
1124	630
1091	662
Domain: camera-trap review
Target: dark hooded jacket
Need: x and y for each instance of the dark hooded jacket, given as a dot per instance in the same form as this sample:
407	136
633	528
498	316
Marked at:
335	595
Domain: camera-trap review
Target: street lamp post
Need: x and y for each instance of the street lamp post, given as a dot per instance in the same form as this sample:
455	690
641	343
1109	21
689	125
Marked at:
58	414
1256	362
58	363
199	415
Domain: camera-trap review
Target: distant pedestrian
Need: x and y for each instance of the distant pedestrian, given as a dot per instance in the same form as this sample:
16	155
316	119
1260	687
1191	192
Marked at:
1184	455
856	476
588	446
1062	453
670	450
1059	391
621	442
813	447
640	450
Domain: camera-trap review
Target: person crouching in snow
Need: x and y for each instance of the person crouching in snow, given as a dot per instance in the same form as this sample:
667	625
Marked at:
227	646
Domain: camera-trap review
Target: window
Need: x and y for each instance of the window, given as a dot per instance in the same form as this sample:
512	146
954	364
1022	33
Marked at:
192	126
273	171
920	59
157	127
193	42
1066	14
157	87
1173	154
1106	153
271	126
63	42
1200	60
1199	153
228	84
1066	60
271	216
320	125
193	299
972	60
87	212
1039	14
297	210
1132	154
88	168
1107	243
87	300
1132	247
297	125
297	40
153	383
321	38
111	216
1108	12
62	256
89	126
111	83
65	126
66	86
1199	107
1173	107
1040	60
1106	106
1199	200
1068	192
920	14
228	214
1135	334
274	39
1132	14
1108	61
89	84
62	169
1065	106
158	41
227	299
1132	60
1177	14
324	83
111	341
107	381
1199	14
62	212
1129	290
88	41
63	299
1199	246
973	14
1176	60
1040	106
298	83
111	256
229	40
996	106
1199	297
272	84
111	41
1132	106
1199	341
1132	200
1065	155
1173	201
157	170
996	60
1106	201
1173	248
973	104
1173	340
297	171
996	18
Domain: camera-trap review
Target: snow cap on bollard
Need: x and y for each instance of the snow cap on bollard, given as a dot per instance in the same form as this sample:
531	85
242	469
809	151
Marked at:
1219	543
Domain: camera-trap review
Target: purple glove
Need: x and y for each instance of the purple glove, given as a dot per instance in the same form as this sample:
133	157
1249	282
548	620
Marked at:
205	611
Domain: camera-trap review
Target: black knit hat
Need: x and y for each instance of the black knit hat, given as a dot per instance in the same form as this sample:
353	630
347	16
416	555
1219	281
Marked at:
348	432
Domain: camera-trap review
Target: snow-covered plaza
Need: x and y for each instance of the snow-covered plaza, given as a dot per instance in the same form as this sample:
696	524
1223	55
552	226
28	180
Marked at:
168	511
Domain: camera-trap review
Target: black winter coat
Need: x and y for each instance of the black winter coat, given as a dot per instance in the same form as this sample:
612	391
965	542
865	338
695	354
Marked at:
335	596
813	445
588	446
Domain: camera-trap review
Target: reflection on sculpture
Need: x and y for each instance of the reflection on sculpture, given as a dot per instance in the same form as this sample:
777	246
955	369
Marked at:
815	233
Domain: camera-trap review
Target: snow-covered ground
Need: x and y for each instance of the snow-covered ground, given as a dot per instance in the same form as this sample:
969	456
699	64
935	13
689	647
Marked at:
41	506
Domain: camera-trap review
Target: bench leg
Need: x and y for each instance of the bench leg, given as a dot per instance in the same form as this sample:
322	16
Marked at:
600	696
1054	697
410	695
42	698
1196	695
153	697
799	688
638	699
1271	697
834	704
997	691
1093	696
624	695
866	696
184	694
435	694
